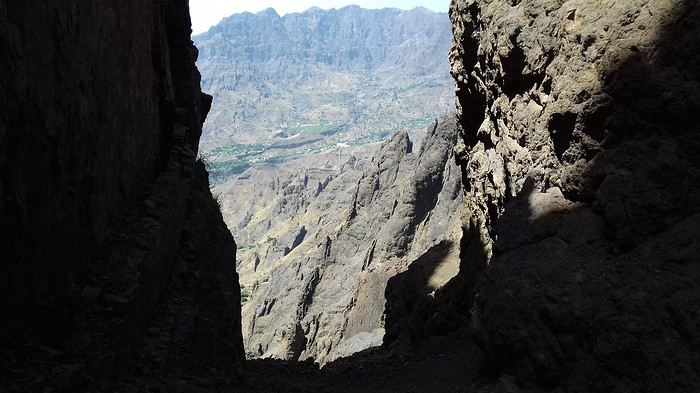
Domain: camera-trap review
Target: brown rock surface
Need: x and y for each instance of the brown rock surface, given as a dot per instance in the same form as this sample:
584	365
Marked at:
578	124
579	264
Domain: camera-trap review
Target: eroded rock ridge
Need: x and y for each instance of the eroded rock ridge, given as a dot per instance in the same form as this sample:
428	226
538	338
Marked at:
316	257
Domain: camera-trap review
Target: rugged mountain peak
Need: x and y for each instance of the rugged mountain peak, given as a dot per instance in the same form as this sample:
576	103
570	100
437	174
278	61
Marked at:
289	84
270	13
420	196
317	290
382	170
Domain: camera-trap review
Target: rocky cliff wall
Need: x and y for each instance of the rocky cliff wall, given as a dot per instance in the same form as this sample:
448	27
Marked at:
101	118
328	242
578	125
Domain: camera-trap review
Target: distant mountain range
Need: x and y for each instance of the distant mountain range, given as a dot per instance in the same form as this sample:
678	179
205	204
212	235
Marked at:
307	83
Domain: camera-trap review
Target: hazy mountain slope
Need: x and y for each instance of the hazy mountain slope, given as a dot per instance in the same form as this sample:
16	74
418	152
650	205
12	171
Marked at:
301	84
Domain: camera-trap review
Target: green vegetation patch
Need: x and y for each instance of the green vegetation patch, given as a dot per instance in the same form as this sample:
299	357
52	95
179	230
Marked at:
247	247
237	150
245	295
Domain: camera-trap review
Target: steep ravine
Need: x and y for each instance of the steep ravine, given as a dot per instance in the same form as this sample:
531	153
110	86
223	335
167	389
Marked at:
579	256
318	253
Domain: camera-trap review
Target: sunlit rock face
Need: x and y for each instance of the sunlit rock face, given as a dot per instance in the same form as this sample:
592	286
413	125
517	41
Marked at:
331	272
325	175
578	147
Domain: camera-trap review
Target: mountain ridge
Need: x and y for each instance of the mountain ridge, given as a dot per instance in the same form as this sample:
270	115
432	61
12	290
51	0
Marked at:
360	18
271	11
310	81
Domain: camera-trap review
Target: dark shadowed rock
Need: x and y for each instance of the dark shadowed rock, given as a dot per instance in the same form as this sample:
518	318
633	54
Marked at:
106	219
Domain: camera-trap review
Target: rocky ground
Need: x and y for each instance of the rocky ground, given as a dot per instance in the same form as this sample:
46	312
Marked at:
579	156
441	365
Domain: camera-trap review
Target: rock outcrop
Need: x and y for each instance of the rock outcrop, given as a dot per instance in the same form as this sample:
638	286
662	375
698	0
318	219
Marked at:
101	202
329	241
578	124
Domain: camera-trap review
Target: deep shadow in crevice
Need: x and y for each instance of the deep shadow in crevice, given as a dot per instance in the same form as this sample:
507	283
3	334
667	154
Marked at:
434	357
409	295
561	127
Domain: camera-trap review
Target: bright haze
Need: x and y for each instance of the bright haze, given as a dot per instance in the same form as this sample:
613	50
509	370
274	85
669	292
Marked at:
207	13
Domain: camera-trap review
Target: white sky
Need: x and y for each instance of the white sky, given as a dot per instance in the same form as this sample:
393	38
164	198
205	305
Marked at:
207	13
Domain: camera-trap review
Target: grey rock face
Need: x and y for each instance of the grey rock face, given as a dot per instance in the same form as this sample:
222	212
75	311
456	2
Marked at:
578	125
350	38
324	297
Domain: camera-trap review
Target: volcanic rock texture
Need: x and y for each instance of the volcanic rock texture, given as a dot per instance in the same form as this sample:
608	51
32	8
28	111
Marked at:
99	128
333	239
579	152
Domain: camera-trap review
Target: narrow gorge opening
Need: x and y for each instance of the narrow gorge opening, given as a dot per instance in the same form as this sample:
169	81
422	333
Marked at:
564	195
332	171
